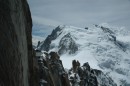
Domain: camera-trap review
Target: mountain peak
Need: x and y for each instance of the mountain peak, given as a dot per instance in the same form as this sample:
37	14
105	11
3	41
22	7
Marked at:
100	46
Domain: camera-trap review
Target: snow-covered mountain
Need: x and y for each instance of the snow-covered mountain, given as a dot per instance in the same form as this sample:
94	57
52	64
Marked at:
105	48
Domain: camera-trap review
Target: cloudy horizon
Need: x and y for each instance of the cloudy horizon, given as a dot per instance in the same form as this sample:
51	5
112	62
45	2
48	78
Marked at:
80	13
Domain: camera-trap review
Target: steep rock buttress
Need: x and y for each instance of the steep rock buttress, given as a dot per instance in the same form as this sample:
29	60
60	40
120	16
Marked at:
17	66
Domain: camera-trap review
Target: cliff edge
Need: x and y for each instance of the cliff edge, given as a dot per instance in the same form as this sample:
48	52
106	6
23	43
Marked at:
17	66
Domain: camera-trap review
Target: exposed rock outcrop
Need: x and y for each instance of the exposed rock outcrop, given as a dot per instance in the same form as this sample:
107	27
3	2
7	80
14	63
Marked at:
46	45
86	76
67	44
17	66
52	72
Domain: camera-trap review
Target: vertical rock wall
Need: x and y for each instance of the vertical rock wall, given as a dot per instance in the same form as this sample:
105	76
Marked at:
16	54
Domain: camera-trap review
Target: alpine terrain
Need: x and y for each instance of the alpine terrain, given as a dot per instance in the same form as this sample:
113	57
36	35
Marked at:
105	48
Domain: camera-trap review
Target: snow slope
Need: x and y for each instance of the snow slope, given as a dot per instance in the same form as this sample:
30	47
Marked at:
104	49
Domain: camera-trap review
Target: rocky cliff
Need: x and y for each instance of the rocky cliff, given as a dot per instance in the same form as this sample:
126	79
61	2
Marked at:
51	70
67	44
17	66
46	45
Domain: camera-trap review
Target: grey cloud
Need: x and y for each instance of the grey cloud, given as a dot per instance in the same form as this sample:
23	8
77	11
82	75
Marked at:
81	12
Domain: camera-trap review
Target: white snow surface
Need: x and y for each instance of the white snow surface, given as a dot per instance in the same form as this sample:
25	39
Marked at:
95	47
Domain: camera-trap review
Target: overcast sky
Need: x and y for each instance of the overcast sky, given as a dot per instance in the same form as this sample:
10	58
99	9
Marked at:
80	13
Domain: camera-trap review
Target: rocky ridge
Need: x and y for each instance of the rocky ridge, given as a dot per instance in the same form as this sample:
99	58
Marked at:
67	44
46	45
52	72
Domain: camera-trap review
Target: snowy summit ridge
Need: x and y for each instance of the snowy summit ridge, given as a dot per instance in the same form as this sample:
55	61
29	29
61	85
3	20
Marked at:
105	48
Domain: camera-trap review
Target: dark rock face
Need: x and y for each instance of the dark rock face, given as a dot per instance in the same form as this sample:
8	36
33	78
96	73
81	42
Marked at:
52	72
67	44
107	30
17	66
46	45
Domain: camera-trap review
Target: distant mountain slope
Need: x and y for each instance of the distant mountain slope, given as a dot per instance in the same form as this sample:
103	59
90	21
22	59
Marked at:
103	47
